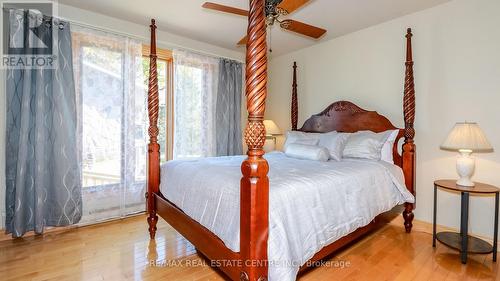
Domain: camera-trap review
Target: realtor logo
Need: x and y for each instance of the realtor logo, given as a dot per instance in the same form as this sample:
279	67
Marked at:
29	37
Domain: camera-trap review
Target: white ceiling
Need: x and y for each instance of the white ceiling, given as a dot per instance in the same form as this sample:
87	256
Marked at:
187	18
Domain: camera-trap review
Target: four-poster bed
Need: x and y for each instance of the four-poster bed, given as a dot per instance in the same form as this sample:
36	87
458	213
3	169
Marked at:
251	261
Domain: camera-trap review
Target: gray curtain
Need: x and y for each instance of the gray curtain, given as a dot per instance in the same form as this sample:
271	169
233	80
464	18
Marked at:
228	108
42	167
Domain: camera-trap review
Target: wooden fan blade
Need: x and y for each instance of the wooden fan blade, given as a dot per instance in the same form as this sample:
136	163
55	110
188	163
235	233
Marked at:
243	41
303	28
292	5
225	9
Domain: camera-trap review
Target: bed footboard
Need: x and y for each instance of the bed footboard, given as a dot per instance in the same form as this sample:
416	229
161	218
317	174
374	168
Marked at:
205	241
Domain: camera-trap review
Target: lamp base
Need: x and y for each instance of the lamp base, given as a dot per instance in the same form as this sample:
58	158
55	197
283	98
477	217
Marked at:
465	168
465	182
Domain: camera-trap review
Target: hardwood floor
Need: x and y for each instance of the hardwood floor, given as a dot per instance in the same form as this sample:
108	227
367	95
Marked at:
121	250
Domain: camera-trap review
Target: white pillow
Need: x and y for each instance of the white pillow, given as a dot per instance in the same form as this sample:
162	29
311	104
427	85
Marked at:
301	138
307	152
335	143
387	155
365	144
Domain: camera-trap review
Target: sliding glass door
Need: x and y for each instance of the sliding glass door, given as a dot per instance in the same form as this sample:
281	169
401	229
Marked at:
112	111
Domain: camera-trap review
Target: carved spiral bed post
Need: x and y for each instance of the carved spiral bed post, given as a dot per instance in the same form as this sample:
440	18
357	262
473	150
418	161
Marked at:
153	146
409	165
295	104
254	187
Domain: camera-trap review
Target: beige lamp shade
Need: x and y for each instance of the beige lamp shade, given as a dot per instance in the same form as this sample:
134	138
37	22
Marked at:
271	128
466	136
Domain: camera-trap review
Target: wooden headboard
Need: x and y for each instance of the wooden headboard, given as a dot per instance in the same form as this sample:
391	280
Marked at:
344	116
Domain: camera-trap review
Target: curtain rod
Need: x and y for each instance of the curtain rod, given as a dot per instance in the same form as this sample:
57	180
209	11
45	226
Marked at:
145	40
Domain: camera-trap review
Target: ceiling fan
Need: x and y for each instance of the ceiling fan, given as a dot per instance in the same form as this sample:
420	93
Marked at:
275	9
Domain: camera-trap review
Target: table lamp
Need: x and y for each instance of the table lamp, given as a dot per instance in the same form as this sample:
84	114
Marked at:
272	130
466	138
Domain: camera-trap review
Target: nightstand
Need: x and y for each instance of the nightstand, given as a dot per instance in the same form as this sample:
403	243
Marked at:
461	241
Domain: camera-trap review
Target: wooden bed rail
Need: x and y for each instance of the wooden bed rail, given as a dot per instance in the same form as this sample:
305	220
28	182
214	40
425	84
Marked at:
153	180
254	185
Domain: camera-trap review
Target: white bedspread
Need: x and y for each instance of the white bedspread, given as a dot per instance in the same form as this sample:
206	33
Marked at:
311	203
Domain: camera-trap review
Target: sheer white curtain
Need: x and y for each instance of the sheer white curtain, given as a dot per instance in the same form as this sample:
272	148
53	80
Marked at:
112	113
195	98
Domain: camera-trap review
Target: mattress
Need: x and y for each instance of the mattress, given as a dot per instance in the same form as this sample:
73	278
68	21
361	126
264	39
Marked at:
311	203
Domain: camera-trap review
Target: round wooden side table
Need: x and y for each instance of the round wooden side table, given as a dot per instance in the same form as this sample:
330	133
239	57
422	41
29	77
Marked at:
463	242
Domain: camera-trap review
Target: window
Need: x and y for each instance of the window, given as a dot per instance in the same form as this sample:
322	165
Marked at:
192	94
196	81
165	78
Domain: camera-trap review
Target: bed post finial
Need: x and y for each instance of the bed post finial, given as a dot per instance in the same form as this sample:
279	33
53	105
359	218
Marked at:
409	148
295	104
153	146
254	188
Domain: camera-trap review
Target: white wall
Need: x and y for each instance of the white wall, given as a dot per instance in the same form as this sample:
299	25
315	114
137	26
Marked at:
457	72
165	40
